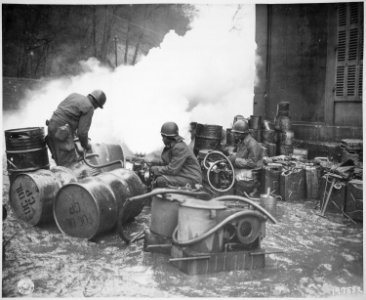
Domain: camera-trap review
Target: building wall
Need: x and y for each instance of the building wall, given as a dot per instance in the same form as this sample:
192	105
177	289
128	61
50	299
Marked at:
297	47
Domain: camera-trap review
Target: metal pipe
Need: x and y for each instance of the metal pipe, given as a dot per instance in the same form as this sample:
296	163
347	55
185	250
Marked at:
245	200
102	165
189	258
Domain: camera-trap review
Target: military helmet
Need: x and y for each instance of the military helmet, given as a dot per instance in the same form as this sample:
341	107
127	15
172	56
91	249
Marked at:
99	97
240	126
169	129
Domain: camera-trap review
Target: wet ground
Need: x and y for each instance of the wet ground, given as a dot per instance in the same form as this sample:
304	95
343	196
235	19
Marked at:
322	257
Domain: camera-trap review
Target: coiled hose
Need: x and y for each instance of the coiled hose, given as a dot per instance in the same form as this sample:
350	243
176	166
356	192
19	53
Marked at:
160	191
225	221
214	164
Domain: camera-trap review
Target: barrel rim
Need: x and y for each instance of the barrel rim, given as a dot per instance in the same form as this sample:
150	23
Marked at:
18	130
94	201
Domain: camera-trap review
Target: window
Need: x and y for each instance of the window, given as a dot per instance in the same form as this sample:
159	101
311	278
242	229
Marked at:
348	82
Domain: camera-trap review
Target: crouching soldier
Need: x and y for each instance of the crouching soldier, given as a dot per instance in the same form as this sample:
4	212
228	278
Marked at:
72	117
247	159
178	166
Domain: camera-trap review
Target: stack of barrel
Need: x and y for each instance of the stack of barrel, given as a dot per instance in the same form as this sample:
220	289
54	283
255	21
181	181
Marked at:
282	124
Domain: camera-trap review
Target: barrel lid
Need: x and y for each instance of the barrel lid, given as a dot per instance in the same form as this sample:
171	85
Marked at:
195	203
76	211
25	199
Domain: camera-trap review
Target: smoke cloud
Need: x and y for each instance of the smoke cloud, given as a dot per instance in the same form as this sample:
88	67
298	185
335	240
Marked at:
206	76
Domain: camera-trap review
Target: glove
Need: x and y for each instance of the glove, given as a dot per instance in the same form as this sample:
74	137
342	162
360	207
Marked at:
232	158
154	170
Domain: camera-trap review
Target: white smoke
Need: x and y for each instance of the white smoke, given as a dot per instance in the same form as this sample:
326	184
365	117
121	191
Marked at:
206	76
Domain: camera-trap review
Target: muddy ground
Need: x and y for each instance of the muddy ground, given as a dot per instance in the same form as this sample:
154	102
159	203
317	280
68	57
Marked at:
322	257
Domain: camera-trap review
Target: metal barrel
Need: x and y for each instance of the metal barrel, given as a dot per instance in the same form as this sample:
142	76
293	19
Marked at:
26	150
106	154
286	138
31	195
255	122
272	178
270	149
283	109
282	123
268	136
230	140
91	206
207	137
257	135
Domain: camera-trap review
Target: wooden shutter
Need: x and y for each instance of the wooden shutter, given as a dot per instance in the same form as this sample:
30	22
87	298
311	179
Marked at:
348	81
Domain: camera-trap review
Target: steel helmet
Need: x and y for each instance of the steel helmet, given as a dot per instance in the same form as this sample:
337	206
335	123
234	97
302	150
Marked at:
99	97
238	117
240	126
169	129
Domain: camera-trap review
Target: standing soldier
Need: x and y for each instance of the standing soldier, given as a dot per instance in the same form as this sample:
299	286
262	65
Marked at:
179	165
73	116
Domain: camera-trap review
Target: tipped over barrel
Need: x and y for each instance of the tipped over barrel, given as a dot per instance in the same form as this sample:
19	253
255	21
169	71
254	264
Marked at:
31	195
91	206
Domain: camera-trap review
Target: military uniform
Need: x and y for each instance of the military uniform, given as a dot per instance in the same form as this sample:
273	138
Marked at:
72	116
248	156
180	166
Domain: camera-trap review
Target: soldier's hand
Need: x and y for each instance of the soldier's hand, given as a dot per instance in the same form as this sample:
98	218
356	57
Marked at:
154	170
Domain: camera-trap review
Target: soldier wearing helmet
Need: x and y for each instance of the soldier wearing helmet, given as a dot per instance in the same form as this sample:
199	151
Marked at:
179	166
249	153
72	117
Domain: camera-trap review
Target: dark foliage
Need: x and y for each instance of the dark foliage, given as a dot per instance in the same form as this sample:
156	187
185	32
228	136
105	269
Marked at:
50	40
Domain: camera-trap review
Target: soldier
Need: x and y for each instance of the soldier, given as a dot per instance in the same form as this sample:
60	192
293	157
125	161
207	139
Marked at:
249	153
248	156
179	166
73	116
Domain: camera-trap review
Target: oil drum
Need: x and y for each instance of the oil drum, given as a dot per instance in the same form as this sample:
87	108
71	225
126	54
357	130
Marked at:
207	137
26	150
282	123
268	136
257	135
270	149
90	207
32	194
255	122
106	154
272	178
195	217
286	138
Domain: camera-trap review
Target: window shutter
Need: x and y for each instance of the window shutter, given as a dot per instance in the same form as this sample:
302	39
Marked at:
348	81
